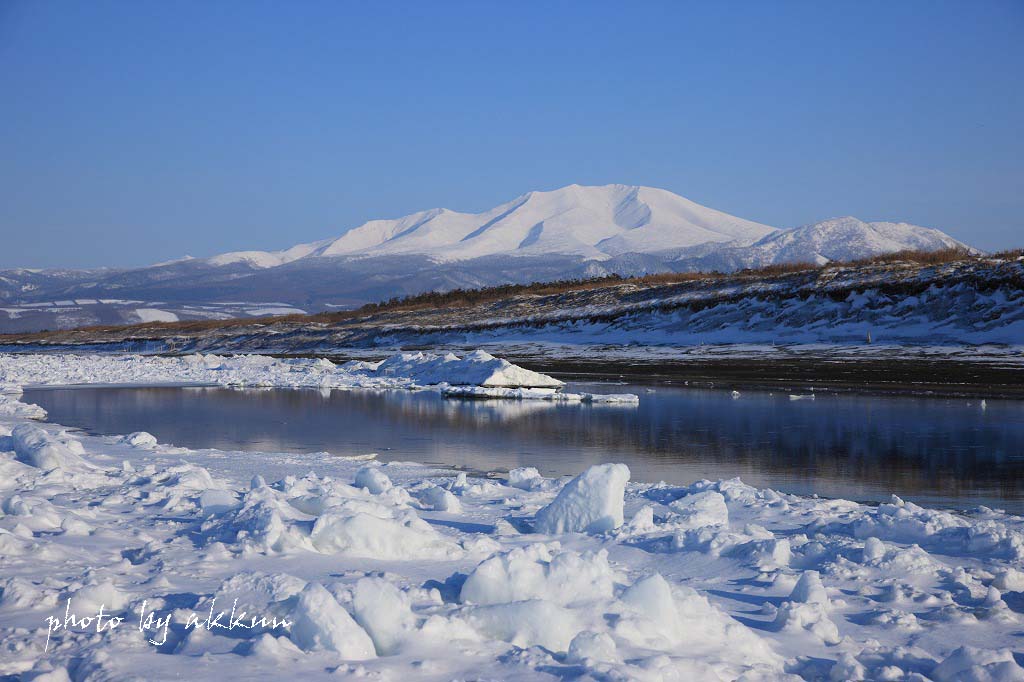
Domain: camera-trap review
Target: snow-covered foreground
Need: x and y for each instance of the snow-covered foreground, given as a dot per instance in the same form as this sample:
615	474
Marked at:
344	567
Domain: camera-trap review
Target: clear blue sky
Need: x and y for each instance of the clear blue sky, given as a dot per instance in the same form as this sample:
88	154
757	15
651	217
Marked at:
138	131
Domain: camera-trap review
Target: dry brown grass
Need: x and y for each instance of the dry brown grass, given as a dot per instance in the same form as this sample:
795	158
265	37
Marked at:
463	298
939	257
1009	254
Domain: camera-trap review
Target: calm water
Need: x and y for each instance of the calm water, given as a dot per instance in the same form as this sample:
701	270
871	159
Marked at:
947	452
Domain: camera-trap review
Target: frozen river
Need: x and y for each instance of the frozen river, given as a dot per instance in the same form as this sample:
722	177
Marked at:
940	452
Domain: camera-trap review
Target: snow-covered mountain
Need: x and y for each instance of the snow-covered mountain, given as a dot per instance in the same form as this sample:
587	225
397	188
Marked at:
589	222
848	239
836	239
572	232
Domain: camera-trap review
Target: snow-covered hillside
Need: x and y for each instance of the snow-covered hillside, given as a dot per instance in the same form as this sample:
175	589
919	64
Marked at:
964	302
836	239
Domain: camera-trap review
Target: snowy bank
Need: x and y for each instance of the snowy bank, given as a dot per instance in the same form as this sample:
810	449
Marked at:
477	374
336	567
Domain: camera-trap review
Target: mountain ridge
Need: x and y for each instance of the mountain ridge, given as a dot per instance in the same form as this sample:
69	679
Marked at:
596	222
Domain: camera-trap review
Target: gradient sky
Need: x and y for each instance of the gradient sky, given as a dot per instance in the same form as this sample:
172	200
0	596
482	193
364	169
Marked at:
135	131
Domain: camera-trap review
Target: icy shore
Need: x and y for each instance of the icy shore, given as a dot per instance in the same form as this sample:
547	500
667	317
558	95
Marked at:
477	374
401	571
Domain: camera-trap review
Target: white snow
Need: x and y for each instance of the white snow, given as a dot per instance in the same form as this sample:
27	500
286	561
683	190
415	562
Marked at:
403	370
36	447
843	239
409	572
589	503
321	623
155	315
594	222
372	479
385	612
706	508
599	222
540	571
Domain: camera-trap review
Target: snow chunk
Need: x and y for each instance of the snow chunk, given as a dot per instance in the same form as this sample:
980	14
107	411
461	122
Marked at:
809	590
525	478
438	499
385	612
592	647
540	571
321	623
155	315
701	509
810	617
590	503
1009	580
140	439
36	447
373	479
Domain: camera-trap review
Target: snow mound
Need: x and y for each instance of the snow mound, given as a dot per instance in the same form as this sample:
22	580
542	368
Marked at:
321	623
809	590
36	447
525	478
373	480
89	598
478	368
701	509
436	498
590	503
590	647
262	523
540	571
140	439
969	664
685	622
810	617
378	533
385	612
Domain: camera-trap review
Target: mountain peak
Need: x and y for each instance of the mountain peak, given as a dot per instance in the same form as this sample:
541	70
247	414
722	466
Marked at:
594	222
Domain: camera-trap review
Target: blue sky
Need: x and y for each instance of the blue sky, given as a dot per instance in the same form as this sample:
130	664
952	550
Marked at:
139	131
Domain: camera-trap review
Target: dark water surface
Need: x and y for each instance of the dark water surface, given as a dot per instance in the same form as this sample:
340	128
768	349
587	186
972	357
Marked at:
942	452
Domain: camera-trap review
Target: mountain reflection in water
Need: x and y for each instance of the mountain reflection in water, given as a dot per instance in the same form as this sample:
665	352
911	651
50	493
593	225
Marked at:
947	452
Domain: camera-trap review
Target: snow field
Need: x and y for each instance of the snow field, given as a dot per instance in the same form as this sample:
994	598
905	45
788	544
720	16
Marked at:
401	571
